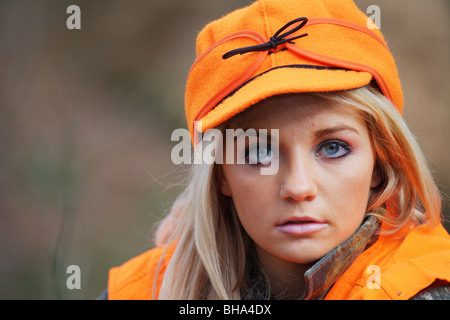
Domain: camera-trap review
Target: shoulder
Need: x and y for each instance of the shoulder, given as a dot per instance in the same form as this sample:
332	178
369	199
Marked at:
406	267
135	278
420	263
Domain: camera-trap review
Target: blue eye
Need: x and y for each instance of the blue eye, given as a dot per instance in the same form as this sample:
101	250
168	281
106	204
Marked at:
333	149
257	154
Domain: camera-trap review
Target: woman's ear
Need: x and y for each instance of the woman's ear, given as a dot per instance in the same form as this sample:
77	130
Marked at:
222	182
376	176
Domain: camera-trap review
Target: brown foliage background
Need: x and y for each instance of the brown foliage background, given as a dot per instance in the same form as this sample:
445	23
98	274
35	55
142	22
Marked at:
86	118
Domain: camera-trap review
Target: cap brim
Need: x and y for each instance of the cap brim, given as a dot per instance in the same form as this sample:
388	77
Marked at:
283	80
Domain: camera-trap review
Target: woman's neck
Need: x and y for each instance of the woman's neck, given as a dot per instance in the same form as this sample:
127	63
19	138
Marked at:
286	278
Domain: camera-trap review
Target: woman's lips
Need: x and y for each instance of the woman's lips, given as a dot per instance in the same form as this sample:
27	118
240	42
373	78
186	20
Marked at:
299	226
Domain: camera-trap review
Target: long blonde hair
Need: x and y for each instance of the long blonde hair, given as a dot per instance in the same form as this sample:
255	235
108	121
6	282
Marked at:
214	258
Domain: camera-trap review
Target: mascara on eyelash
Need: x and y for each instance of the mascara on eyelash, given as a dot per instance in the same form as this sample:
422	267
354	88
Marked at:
340	143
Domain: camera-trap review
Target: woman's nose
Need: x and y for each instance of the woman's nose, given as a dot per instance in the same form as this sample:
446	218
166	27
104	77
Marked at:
299	182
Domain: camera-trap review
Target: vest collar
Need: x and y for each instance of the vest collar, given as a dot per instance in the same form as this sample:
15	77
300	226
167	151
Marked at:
324	273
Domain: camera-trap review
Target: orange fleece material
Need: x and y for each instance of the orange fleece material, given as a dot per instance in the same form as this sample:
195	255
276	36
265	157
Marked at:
338	37
406	265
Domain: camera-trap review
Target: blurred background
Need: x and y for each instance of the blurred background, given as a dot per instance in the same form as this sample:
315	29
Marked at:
86	118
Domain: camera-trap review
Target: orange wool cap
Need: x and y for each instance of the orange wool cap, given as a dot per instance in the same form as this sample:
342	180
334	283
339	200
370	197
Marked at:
276	47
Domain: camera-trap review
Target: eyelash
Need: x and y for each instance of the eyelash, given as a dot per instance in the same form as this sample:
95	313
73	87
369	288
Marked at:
339	143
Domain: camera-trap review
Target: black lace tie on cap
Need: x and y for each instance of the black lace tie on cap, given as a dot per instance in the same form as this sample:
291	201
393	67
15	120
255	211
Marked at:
275	41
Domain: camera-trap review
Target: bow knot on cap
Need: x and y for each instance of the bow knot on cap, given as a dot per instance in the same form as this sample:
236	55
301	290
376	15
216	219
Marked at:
274	41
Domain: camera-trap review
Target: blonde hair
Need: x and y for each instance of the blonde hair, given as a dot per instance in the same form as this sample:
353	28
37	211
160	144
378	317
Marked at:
408	192
214	258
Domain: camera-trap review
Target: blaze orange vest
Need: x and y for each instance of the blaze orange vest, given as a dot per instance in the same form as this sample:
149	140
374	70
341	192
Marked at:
392	268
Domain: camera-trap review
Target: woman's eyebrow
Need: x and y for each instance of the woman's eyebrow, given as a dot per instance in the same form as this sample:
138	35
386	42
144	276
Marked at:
322	132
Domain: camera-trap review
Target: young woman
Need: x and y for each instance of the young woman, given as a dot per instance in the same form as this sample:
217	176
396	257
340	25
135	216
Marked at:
350	210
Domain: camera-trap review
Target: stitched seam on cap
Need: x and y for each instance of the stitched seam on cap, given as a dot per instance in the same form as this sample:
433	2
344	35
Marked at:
299	66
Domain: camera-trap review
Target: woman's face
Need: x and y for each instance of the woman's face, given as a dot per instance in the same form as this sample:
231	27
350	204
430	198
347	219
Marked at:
318	196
